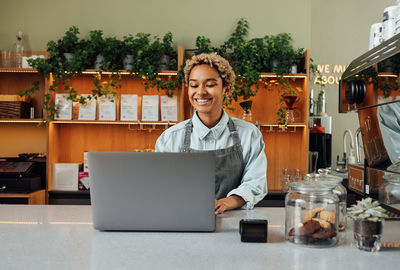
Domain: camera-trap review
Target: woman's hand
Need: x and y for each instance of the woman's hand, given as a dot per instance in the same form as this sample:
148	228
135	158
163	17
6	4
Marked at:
228	203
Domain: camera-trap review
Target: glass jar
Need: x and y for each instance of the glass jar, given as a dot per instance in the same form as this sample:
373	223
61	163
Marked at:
389	193
312	212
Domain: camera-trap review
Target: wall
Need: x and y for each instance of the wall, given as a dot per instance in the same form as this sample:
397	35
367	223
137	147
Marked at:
44	20
335	31
339	34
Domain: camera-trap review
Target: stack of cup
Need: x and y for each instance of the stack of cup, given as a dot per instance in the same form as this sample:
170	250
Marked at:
390	15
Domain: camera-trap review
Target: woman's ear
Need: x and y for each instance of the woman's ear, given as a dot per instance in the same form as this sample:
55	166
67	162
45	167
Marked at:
227	91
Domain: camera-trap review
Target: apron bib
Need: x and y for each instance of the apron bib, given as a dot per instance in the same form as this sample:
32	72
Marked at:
228	161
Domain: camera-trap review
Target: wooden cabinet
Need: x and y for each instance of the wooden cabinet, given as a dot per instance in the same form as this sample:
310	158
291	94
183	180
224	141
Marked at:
22	135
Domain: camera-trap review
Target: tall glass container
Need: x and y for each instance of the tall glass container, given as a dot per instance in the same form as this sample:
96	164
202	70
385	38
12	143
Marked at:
19	50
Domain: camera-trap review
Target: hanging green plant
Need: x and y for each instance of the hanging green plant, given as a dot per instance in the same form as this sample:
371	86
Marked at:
251	58
147	52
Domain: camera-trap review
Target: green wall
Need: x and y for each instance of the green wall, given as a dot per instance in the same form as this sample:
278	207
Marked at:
44	20
336	31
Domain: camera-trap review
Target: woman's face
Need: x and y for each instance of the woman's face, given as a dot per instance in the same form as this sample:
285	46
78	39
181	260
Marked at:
206	91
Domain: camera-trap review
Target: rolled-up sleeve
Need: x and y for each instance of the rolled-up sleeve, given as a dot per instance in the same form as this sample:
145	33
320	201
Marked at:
253	187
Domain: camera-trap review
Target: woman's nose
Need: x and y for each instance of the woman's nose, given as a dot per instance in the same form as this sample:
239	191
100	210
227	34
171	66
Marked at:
201	90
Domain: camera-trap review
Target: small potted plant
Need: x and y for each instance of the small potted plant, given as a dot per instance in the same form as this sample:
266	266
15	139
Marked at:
69	43
368	219
113	54
129	49
167	52
95	48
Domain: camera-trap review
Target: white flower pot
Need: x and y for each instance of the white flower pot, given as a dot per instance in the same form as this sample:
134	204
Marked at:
99	62
165	61
128	62
69	56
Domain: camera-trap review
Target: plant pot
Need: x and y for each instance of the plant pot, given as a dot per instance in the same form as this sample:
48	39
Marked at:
246	106
99	62
367	234
165	61
293	69
128	62
274	64
69	56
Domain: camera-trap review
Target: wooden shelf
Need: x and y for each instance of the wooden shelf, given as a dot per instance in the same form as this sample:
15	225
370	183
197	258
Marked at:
294	76
99	122
125	72
18	70
35	197
21	121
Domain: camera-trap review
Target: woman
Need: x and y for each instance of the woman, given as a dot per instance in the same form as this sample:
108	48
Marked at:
241	164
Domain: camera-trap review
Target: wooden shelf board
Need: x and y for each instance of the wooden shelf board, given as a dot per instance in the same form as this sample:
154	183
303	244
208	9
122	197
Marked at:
18	70
21	121
20	195
124	72
274	75
99	122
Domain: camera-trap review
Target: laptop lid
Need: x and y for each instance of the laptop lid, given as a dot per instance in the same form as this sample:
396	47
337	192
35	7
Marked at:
152	191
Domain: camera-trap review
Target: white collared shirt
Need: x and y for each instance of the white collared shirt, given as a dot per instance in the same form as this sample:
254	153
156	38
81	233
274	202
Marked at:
253	187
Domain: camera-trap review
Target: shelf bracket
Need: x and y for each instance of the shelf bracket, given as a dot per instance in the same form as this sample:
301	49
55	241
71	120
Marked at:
140	125
294	129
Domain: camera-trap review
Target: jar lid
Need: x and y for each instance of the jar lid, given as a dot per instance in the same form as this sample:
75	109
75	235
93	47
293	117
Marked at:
324	177
315	186
392	178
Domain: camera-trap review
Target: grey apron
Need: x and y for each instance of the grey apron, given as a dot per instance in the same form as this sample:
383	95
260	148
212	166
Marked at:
228	161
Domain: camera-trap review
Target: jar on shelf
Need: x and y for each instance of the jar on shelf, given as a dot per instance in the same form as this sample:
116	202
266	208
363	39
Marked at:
312	212
389	193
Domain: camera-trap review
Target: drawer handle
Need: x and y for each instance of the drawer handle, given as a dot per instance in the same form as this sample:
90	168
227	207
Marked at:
2	188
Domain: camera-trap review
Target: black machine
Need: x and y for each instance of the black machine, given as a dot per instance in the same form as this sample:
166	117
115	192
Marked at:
24	174
370	86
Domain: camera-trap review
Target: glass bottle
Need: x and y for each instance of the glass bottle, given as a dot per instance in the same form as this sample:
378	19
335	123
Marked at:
19	50
311	214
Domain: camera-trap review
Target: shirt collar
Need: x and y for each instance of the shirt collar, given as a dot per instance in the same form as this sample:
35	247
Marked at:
203	130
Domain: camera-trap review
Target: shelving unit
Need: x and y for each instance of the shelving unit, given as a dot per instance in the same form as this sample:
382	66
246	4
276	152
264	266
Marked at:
69	139
23	135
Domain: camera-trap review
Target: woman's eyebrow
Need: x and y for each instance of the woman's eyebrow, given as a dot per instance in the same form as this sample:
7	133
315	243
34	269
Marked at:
208	79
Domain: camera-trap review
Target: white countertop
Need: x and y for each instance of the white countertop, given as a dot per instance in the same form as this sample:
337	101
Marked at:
63	237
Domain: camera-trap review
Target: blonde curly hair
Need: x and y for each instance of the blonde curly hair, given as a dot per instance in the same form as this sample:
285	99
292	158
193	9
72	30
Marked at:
220	64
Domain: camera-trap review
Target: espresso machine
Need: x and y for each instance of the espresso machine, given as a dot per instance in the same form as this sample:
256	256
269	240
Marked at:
371	86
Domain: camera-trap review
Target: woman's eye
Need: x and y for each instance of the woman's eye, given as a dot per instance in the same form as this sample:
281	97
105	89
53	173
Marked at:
193	86
210	85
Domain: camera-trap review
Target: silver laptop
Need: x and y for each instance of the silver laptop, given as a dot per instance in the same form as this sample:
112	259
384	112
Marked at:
141	191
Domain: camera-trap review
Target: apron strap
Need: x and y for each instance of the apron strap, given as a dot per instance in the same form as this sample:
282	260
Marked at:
234	133
188	133
189	129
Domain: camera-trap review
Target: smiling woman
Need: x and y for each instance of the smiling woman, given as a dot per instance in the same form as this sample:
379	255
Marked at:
241	164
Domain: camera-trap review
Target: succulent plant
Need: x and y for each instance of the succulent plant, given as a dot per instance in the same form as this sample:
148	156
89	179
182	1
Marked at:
368	210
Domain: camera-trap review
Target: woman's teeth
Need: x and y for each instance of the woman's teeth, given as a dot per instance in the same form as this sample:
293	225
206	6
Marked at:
202	100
